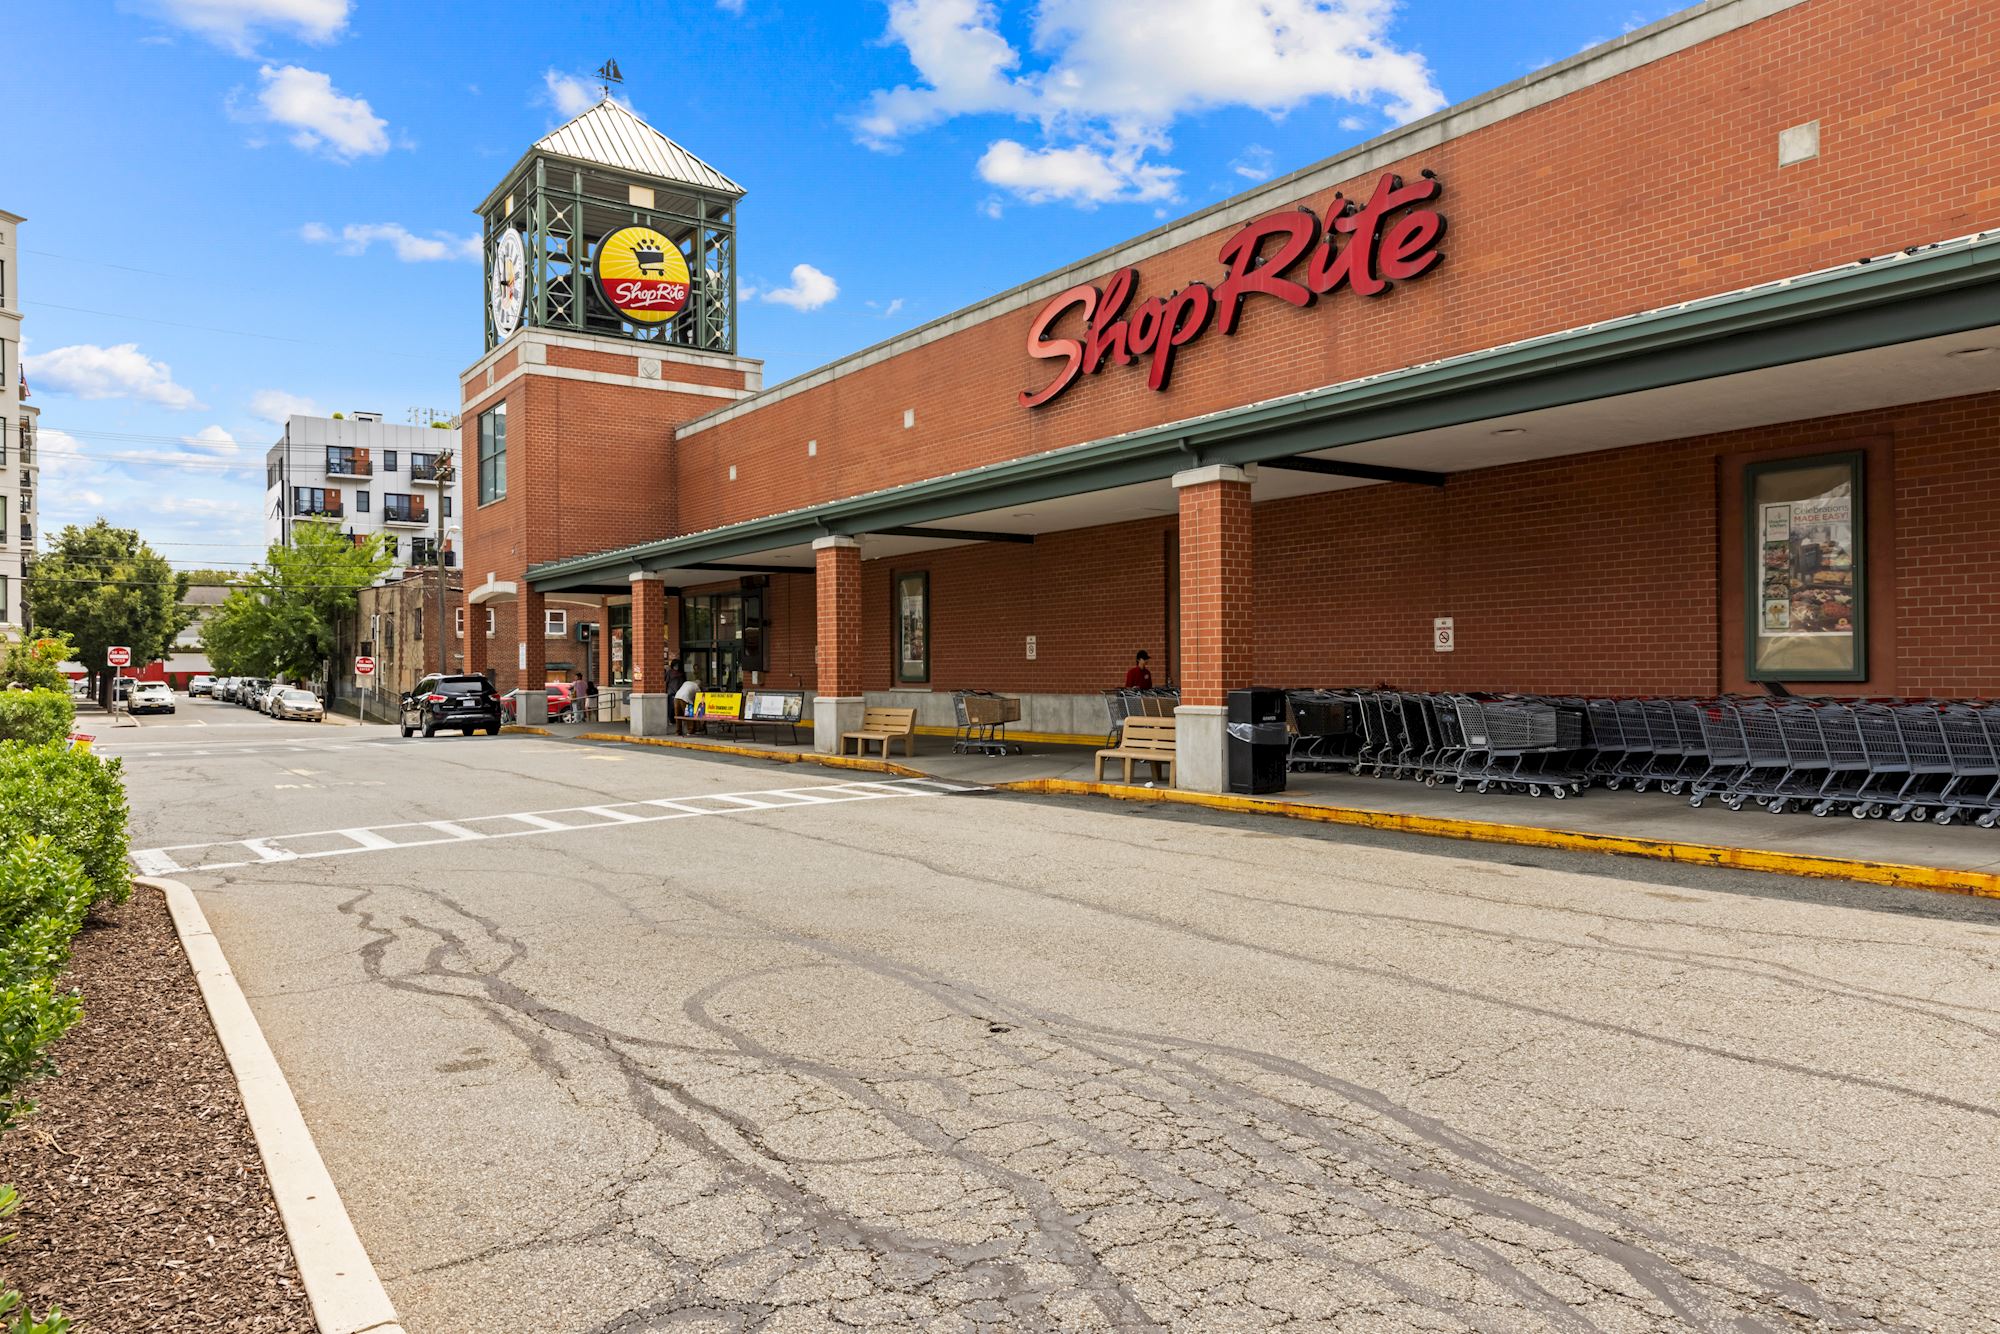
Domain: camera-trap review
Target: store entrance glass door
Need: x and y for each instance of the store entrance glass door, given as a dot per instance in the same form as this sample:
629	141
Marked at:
712	640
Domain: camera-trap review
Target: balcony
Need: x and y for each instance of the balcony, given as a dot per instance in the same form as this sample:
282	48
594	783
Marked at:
406	512
425	469
330	510
349	463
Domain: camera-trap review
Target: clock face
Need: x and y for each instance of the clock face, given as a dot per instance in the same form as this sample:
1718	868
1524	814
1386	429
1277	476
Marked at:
509	283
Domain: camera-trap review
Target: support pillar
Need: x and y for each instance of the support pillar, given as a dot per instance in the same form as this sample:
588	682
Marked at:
1217	618
531	659
477	659
837	703
652	709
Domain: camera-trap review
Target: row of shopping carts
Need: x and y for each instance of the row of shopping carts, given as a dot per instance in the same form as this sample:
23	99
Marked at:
1903	760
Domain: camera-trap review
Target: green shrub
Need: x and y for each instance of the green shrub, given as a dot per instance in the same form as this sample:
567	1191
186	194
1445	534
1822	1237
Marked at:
37	663
44	895
36	717
20	1320
75	800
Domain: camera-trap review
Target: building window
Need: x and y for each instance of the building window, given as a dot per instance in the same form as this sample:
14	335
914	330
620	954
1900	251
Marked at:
489	622
388	460
322	501
447	505
493	453
361	502
458	621
1805	570
912	627
3	596
389	545
556	623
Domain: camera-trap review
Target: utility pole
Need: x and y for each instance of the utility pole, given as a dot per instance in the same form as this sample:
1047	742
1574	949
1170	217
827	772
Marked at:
443	472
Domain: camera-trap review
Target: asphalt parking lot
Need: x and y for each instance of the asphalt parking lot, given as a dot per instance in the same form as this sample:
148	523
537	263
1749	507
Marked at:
601	1038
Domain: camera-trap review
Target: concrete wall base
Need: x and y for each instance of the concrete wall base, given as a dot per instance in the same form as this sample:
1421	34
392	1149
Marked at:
832	716
652	715
1050	715
1201	748
532	708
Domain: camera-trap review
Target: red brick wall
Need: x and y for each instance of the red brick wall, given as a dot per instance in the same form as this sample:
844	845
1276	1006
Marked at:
1218	608
1653	187
838	577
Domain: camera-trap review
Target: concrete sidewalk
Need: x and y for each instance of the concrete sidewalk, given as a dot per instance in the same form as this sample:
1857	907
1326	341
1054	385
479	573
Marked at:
1623	814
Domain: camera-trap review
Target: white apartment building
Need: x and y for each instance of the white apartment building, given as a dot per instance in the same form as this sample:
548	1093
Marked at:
18	465
363	475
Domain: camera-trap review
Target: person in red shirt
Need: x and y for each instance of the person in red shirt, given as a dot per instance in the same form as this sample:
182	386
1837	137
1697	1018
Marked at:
1140	677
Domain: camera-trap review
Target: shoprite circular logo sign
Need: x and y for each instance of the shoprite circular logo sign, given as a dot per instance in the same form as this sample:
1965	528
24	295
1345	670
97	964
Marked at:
641	275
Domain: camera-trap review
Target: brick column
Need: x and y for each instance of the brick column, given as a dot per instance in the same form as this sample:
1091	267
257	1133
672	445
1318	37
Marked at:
1217	616
531	659
652	711
837	701
474	644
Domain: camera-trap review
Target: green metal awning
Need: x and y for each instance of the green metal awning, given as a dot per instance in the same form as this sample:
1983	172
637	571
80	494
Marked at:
1924	293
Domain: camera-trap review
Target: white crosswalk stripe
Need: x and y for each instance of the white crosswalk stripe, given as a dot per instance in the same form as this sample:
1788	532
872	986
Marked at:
230	854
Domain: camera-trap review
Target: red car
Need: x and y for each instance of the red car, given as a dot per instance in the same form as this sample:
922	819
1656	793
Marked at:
565	702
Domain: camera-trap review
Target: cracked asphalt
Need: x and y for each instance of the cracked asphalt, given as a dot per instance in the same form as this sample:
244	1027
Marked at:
987	1062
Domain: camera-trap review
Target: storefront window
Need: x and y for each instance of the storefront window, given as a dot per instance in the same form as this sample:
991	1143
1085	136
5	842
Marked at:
620	618
912	613
1805	570
712	640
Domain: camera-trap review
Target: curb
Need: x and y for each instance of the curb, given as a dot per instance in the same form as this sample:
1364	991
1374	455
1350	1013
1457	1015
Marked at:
1937	879
750	752
346	1294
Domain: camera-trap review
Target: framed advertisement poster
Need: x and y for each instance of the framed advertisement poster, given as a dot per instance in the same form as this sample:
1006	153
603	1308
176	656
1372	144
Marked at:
1804	553
912	620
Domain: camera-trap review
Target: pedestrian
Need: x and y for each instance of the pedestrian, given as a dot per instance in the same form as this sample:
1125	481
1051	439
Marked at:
1140	677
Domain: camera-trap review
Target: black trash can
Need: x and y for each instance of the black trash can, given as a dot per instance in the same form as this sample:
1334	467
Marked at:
1257	740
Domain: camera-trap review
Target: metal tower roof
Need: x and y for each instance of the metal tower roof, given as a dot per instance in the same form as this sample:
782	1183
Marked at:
609	135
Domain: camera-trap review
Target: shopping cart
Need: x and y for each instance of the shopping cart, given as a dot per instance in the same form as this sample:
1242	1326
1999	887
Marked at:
982	722
1326	730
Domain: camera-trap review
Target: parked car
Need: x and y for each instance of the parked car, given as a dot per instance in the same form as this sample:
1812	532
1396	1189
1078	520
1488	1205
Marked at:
151	697
121	688
201	685
249	688
463	703
79	688
268	696
291	702
565	700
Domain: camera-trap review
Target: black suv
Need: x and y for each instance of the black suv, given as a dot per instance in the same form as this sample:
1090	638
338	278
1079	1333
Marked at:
466	703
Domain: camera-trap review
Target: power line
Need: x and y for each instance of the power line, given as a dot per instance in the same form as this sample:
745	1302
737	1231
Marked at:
100	263
175	324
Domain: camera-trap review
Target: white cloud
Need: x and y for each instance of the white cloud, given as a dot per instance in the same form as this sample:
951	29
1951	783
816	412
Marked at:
235	24
1076	175
356	237
322	118
1253	163
569	95
88	371
1114	77
275	405
730	6
810	289
212	440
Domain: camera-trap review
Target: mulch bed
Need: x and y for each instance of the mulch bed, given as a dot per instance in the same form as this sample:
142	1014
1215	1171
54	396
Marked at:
144	1203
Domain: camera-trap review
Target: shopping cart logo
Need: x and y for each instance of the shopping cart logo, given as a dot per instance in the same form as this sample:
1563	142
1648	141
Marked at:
641	275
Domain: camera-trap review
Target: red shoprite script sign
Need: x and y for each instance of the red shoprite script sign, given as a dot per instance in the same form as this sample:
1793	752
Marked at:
1387	241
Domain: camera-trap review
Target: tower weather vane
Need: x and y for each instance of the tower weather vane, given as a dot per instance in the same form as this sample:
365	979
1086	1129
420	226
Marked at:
608	74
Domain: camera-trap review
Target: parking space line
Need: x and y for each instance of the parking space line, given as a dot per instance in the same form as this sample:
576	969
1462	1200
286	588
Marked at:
172	860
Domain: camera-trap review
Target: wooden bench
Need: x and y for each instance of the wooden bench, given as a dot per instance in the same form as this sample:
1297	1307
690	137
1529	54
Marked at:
1147	741
883	725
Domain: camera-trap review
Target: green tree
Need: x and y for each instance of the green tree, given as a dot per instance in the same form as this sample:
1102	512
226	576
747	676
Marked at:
102	586
283	618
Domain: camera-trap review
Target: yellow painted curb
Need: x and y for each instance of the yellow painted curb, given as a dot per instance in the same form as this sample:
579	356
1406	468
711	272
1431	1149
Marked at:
523	729
752	753
1943	880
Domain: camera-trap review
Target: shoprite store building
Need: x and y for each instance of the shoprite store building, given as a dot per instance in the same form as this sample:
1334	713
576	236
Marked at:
1674	368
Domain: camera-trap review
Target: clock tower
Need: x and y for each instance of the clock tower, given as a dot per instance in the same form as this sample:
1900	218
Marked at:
610	320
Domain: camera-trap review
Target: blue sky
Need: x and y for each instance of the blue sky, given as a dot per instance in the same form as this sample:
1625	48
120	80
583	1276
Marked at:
242	207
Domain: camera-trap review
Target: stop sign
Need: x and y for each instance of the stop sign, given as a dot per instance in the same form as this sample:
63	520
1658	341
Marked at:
364	666
118	656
